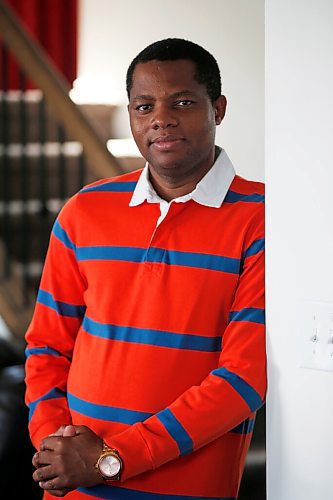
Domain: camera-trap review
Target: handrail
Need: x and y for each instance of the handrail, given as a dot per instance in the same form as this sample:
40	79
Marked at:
36	63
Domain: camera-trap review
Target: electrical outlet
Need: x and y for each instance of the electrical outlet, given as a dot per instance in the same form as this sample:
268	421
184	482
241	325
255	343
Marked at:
316	335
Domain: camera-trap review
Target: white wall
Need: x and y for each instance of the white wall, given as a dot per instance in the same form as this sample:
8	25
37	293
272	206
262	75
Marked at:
299	177
112	33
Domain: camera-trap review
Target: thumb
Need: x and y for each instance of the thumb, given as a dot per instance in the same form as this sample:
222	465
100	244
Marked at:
69	431
60	431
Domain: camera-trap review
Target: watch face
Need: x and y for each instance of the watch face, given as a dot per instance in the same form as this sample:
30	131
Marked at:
109	466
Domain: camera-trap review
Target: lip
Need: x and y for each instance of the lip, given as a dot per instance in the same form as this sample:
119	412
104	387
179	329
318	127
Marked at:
166	142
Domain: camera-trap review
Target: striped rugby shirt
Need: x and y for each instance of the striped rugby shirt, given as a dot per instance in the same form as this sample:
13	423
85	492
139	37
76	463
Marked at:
154	336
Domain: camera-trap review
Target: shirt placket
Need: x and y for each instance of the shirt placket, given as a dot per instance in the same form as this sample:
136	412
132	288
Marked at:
154	255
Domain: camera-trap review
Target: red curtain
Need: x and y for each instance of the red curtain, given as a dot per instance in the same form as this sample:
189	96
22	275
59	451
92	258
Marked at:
54	24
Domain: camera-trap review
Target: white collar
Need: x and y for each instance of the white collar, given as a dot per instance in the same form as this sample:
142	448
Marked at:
210	191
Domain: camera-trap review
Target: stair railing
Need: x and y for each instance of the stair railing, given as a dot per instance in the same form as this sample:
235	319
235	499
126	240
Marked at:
26	214
36	64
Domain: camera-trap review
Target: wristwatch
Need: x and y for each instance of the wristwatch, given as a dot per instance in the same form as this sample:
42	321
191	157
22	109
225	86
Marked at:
109	464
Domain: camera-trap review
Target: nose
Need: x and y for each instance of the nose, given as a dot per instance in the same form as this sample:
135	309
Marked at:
163	117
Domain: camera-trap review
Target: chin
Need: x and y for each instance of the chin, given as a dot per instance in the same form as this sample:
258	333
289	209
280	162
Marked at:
167	167
167	162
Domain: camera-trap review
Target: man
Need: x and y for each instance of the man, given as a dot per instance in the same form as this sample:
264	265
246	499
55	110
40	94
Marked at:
146	352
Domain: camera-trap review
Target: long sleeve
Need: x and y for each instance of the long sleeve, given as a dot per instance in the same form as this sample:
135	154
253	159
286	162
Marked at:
52	333
228	395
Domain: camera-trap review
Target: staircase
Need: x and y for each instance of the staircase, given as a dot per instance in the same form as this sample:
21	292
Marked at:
49	148
39	169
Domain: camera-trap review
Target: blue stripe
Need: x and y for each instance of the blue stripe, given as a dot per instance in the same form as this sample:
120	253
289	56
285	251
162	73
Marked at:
130	254
62	308
233	197
256	247
103	412
116	493
250	395
176	431
114	187
161	255
41	350
61	234
251	314
54	393
245	427
192	259
152	337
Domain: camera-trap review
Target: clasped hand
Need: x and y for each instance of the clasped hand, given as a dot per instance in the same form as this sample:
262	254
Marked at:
67	459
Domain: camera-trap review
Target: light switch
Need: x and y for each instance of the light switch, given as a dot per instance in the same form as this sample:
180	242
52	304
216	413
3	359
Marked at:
316	335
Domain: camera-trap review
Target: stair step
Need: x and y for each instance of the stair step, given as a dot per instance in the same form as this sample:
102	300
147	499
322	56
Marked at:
36	149
26	237
18	208
16	305
46	172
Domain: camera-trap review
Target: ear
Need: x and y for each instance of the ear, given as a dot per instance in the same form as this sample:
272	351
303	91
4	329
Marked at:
220	106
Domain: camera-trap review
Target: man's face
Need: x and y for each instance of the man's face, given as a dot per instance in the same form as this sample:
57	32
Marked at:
172	119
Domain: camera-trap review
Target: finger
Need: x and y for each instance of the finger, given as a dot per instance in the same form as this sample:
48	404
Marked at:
38	459
35	460
49	443
43	474
53	484
69	431
59	432
42	458
81	429
51	488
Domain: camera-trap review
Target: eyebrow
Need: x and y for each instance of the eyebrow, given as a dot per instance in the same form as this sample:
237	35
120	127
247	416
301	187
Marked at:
147	97
181	93
141	97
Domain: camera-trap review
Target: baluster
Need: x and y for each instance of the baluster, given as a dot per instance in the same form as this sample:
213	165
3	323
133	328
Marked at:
82	170
42	120
25	223
62	164
5	166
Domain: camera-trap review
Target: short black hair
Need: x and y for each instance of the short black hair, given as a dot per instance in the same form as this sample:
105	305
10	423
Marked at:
173	49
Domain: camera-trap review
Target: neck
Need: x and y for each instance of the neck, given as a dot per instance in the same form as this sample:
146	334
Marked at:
169	191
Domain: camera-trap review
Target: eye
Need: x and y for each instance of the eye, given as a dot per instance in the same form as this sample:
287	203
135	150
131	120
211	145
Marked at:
184	102
143	107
